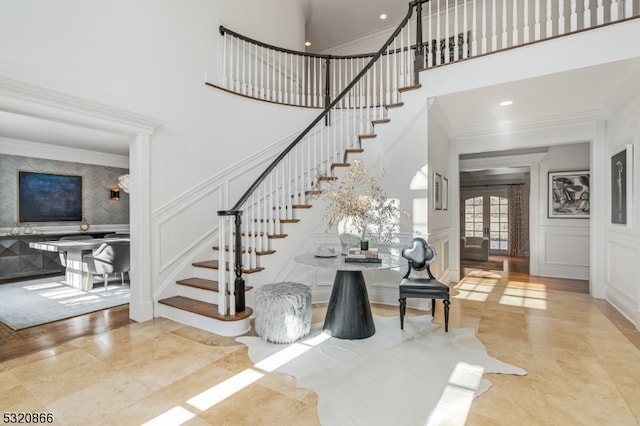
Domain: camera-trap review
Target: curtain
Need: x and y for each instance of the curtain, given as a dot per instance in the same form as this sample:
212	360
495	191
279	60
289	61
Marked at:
516	237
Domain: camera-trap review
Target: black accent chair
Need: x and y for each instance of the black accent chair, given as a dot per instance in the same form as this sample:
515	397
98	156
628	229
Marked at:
109	258
420	255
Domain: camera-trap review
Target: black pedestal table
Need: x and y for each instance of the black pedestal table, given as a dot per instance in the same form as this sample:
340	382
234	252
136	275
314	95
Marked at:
349	312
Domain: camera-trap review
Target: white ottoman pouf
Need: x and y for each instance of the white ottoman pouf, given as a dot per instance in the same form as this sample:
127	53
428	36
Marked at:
283	312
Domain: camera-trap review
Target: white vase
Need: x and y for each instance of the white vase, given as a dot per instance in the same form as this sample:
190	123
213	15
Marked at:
350	234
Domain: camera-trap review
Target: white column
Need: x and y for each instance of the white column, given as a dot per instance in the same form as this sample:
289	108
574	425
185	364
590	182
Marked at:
141	303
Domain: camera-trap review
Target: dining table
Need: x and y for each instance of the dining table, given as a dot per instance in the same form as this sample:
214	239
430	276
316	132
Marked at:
76	273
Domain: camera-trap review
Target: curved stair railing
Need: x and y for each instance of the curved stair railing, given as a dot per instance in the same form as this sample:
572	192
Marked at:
355	93
455	30
298	171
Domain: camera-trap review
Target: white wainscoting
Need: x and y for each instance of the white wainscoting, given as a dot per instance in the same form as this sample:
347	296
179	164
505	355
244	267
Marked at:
198	209
565	252
622	286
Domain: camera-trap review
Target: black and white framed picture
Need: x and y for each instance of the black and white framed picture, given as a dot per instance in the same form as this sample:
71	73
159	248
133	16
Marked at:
568	196
621	185
445	193
437	191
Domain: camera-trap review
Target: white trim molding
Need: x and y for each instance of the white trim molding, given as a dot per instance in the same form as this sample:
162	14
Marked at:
33	101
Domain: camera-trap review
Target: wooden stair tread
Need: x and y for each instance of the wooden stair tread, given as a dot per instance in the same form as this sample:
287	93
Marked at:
381	121
327	178
354	150
313	192
302	206
244	250
200	283
204	284
398	105
369	136
337	165
409	88
260	234
213	264
209	310
281	220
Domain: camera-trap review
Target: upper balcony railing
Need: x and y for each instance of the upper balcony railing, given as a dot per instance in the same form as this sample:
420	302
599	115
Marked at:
355	94
454	30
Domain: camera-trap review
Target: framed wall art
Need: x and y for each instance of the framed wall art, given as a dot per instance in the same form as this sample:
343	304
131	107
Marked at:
621	185
568	196
445	193
437	191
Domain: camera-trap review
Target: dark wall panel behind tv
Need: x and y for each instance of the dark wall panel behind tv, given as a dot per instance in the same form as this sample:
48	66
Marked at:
45	197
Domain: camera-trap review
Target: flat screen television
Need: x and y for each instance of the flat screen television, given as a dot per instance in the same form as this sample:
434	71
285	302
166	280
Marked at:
46	197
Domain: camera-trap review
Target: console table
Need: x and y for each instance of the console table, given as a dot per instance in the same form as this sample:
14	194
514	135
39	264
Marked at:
349	312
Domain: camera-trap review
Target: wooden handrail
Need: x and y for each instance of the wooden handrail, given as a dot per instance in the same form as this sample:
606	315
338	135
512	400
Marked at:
327	109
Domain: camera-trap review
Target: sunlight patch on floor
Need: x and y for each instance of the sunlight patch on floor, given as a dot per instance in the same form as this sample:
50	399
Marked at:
477	292
175	416
218	393
458	396
519	294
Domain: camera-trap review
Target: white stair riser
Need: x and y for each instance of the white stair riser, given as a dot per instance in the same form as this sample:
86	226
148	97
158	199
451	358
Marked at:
198	294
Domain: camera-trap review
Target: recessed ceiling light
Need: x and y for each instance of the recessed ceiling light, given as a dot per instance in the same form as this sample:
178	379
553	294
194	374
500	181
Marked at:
506	103
383	16
307	43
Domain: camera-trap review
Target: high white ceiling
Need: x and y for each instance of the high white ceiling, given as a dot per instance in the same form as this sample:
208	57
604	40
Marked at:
331	23
573	93
334	22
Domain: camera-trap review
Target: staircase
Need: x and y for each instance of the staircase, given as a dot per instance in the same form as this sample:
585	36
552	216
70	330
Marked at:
364	89
197	301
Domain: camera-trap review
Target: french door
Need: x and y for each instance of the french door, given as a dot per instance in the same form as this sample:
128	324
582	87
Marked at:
487	215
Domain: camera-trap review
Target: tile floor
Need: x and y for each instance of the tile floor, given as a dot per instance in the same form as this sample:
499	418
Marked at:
583	360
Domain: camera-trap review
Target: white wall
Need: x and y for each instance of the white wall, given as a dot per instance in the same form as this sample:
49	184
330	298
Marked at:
150	57
563	243
621	249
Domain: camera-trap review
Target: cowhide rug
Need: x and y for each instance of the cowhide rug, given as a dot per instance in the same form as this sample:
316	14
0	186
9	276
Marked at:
394	377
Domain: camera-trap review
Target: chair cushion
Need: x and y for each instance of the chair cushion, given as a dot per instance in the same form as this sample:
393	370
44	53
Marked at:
423	286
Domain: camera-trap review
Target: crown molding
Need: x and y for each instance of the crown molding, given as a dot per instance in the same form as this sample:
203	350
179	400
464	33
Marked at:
24	148
501	161
26	99
529	125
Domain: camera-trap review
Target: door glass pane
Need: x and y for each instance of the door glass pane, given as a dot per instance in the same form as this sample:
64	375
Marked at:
499	223
473	218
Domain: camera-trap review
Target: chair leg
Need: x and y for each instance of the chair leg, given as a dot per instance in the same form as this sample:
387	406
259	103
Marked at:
446	315
106	280
433	308
403	309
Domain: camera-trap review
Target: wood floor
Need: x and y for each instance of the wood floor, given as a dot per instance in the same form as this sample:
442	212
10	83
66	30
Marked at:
17	343
581	356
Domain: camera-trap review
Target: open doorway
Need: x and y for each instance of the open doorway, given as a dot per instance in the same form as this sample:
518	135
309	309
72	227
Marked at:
494	219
